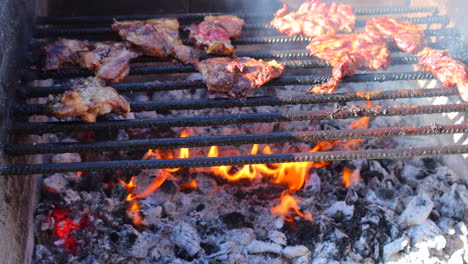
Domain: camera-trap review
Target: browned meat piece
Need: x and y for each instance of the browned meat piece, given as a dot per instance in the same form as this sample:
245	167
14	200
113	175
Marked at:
214	33
314	18
156	37
346	53
447	70
239	76
61	53
406	35
87	99
110	61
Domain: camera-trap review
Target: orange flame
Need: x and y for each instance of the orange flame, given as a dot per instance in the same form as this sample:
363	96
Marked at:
129	187
79	174
158	181
192	185
183	154
134	213
288	206
361	123
292	174
350	177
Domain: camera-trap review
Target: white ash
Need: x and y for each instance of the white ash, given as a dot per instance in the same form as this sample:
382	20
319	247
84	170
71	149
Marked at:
417	211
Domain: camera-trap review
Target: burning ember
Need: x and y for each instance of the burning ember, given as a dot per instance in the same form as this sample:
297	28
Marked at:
350	177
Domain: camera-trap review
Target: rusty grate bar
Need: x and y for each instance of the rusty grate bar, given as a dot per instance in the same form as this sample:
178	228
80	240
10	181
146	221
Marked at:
215	120
37	109
179	68
106	31
199	16
233	160
207	141
182	85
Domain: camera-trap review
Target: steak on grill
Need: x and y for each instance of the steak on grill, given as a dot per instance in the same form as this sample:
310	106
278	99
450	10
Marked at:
237	77
156	37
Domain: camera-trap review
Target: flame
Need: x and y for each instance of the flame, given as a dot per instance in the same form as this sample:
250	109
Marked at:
246	172
192	185
129	187
350	177
79	174
287	206
134	213
183	154
361	123
292	174
158	181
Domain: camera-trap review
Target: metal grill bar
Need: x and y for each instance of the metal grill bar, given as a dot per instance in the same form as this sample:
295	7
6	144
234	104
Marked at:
199	16
219	120
182	85
233	160
105	31
178	68
38	109
207	141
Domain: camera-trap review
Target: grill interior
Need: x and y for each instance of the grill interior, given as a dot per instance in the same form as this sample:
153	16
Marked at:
301	69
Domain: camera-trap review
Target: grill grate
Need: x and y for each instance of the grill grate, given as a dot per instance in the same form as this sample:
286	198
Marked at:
84	27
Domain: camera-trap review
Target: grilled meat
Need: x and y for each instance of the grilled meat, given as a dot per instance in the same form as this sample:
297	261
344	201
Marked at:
108	60
346	53
157	38
239	76
214	33
405	35
314	18
447	70
87	99
60	53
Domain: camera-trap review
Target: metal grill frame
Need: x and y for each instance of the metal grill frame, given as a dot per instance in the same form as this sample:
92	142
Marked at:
99	26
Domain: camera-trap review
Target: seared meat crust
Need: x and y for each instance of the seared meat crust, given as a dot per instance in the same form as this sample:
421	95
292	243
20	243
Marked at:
214	33
314	18
405	35
60	53
156	37
346	53
447	70
87	99
110	61
239	76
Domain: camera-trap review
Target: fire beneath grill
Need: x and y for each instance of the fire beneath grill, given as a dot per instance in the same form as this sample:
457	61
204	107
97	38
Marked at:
280	177
356	211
